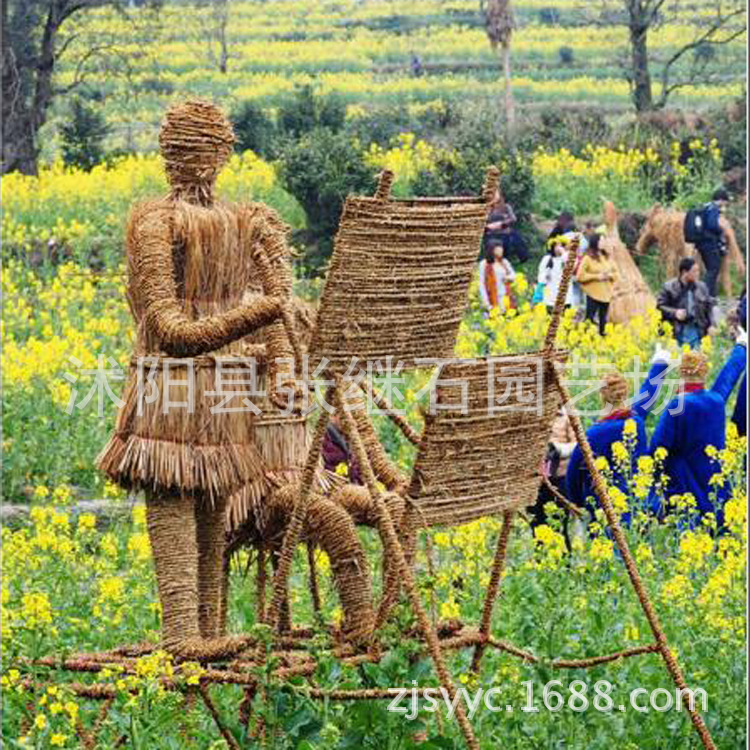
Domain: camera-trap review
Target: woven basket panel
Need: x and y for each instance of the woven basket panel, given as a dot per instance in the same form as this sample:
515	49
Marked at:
398	280
480	463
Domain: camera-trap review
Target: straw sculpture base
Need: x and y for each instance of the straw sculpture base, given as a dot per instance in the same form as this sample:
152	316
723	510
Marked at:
293	659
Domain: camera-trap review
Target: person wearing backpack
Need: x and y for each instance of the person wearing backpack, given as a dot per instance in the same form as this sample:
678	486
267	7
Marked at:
702	228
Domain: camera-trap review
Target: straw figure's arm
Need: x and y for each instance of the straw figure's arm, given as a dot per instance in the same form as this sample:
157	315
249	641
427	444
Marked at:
150	239
271	255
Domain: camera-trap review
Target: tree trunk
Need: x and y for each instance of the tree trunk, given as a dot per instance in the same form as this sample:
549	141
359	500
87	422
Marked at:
19	143
641	77
223	8
27	95
510	105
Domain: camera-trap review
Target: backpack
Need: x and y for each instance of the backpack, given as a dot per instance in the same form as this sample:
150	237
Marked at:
694	228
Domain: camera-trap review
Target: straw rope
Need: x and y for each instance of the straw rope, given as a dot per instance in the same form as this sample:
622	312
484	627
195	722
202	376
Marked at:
406	429
229	738
260	586
385	182
294	529
600	487
385	470
561	499
150	243
197	269
313	571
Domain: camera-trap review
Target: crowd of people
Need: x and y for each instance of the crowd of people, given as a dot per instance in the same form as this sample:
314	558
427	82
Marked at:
686	302
694	419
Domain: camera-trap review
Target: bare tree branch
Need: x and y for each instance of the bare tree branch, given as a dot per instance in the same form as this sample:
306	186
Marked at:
698	69
718	28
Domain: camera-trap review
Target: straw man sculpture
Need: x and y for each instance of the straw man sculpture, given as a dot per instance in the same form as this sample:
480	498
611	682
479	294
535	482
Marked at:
203	276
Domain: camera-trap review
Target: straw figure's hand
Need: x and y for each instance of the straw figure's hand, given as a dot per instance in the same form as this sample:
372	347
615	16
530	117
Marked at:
285	390
150	234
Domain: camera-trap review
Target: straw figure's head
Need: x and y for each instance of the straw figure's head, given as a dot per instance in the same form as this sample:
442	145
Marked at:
614	390
694	367
196	141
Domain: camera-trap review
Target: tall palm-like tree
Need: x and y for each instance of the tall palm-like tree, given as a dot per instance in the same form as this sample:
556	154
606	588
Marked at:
500	24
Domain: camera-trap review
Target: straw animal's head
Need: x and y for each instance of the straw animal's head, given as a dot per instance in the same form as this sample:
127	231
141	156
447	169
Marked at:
196	140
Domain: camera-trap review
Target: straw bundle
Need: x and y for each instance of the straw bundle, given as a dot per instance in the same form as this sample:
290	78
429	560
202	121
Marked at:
631	296
479	463
694	367
615	389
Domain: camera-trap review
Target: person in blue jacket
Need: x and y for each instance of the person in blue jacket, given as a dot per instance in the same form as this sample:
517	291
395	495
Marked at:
610	429
692	421
739	416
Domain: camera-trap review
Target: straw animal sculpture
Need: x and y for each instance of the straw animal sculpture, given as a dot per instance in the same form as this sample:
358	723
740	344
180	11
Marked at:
632	296
664	227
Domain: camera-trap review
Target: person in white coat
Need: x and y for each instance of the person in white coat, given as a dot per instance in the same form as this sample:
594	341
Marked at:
551	270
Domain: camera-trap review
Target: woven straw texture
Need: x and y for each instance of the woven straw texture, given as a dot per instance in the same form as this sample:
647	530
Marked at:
194	290
399	279
631	295
615	388
479	463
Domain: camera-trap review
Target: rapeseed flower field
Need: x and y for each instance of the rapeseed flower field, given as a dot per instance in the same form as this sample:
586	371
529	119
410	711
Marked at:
76	580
